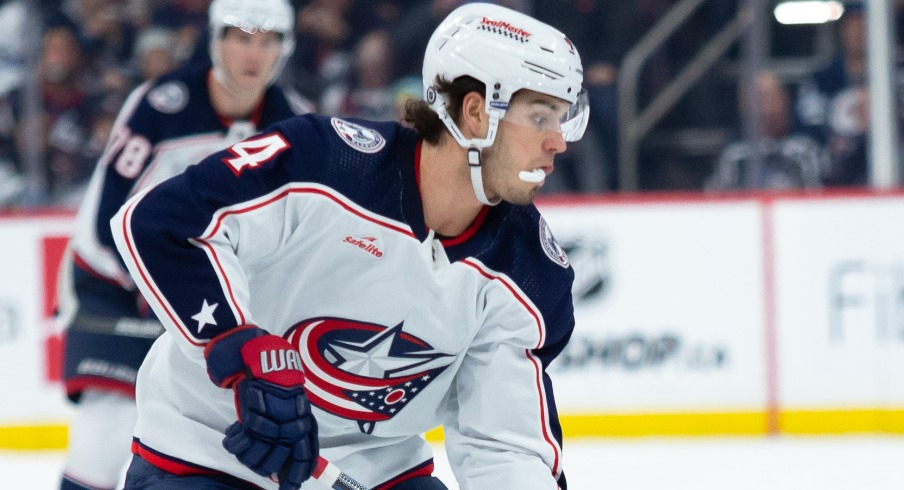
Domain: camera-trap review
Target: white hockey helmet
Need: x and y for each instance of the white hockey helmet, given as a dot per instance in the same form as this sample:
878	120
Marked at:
253	16
507	51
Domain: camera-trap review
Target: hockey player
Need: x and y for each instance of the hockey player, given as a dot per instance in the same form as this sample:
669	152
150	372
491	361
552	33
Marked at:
164	126
339	287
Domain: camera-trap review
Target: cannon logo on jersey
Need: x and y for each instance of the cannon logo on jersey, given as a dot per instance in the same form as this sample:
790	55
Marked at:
362	371
169	98
363	139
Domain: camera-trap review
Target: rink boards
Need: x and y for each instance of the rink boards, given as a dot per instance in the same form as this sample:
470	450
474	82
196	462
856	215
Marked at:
695	315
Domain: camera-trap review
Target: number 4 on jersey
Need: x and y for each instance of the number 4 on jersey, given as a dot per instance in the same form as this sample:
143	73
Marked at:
255	152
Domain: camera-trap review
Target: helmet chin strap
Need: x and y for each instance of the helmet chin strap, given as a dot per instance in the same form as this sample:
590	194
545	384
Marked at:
477	177
475	147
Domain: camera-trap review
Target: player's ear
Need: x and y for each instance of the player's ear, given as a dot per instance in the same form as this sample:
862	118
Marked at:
474	117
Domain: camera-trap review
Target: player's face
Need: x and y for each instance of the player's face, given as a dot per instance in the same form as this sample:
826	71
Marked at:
248	59
528	138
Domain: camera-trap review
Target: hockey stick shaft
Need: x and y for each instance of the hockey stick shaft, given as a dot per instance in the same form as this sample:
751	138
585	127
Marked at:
328	474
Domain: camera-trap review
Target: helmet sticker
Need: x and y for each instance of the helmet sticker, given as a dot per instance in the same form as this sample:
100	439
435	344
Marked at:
504	28
169	98
363	139
551	246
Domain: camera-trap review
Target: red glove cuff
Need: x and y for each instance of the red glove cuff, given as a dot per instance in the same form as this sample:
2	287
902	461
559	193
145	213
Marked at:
273	359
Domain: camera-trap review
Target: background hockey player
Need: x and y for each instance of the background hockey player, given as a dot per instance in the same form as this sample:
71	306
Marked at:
164	126
404	277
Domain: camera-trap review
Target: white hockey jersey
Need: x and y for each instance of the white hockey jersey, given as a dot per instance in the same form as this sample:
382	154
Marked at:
314	230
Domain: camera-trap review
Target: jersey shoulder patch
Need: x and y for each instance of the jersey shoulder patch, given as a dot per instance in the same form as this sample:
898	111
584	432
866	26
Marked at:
361	138
550	246
169	97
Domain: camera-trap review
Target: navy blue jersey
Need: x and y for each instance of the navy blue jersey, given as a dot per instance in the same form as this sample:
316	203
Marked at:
314	230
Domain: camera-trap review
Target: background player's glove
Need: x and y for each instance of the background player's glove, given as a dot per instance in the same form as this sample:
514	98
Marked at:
276	434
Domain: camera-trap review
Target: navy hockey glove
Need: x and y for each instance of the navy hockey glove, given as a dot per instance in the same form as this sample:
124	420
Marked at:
276	434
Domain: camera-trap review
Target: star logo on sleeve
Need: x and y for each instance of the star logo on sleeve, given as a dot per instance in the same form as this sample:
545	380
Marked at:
205	316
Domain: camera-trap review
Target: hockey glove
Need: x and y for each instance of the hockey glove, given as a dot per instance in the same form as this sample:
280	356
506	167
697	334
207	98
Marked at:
276	434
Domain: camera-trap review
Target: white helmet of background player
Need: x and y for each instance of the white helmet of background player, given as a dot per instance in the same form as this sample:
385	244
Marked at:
507	51
252	16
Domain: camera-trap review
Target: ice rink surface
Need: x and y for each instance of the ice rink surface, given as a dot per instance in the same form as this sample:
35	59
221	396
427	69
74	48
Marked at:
780	463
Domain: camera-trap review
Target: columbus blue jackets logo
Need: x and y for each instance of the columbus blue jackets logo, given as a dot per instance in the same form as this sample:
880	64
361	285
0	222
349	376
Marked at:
362	371
169	98
363	139
550	246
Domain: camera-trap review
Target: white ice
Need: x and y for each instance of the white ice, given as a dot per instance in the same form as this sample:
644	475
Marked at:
756	463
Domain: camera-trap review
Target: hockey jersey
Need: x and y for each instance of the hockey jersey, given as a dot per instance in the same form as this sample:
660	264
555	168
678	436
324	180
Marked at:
314	230
165	125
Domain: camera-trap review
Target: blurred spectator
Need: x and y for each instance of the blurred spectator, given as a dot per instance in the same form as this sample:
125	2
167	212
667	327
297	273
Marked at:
327	31
787	159
188	21
107	38
63	128
366	91
11	53
833	103
414	28
389	11
154	53
139	13
12	182
106	35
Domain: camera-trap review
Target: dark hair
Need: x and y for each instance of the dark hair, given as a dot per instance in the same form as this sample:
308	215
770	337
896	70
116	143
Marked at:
422	118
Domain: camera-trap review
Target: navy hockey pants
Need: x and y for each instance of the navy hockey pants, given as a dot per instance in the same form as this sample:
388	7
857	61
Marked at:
145	476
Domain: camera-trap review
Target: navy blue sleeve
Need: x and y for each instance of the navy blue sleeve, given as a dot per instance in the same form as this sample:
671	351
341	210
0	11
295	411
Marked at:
163	231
